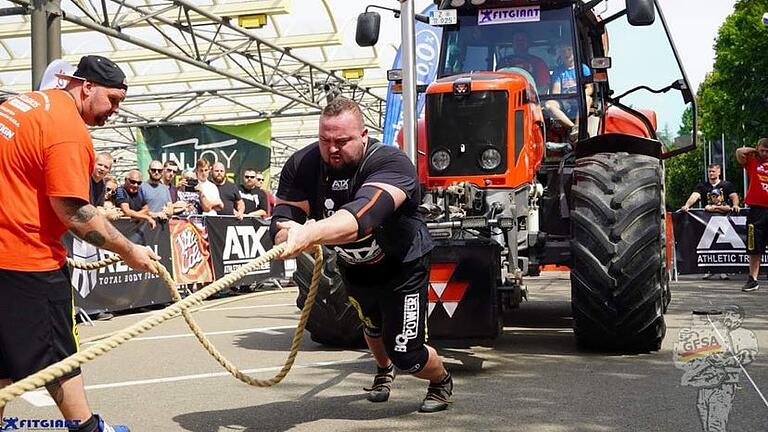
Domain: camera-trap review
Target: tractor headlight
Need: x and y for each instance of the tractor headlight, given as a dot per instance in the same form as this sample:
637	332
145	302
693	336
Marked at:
440	160
490	159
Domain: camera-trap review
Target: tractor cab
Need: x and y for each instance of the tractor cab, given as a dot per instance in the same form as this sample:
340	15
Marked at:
537	42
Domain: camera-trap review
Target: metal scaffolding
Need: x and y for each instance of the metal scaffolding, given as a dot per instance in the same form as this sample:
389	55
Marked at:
223	72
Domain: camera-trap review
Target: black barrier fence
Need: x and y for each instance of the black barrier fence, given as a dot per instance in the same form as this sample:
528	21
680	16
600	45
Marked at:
231	243
712	242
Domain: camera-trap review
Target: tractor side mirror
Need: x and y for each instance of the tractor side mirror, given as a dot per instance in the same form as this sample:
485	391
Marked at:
368	26
641	12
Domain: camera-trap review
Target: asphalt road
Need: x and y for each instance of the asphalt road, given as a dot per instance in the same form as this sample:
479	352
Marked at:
533	379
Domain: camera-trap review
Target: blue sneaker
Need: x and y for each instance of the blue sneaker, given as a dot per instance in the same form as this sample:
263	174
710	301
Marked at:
104	427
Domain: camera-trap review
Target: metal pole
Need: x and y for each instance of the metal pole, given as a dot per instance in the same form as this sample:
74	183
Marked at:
54	30
39	42
725	167
707	158
407	17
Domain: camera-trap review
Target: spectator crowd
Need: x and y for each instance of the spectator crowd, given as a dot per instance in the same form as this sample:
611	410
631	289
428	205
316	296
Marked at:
165	191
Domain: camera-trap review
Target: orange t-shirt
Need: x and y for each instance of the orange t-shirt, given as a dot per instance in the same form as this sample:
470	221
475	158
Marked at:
45	151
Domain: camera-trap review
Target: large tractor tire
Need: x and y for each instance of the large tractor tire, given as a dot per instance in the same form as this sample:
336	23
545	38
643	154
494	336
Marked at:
333	320
618	272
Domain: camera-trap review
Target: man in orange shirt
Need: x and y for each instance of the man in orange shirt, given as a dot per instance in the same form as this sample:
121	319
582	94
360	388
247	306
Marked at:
46	160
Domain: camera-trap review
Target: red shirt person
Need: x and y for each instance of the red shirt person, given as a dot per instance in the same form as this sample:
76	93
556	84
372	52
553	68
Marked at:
755	163
46	161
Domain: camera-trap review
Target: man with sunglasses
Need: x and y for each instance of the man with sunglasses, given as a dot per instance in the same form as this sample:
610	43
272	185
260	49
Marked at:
170	170
46	160
156	194
252	194
130	199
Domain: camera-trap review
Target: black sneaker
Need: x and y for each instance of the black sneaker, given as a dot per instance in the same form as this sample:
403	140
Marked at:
382	384
750	285
438	395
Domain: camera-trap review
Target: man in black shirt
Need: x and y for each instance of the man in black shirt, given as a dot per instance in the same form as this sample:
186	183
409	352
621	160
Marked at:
230	195
253	195
703	189
364	197
100	170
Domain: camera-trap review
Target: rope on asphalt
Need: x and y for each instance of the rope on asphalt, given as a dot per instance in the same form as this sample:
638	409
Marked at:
72	362
238	298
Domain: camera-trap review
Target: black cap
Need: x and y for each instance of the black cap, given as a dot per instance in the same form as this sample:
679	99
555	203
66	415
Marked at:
100	70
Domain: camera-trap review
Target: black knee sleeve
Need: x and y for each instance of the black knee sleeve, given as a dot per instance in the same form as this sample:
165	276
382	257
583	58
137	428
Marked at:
410	361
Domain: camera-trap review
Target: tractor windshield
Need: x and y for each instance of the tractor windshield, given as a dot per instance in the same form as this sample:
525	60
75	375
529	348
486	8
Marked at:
529	40
534	41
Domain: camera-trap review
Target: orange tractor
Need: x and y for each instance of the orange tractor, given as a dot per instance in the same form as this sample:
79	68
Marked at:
532	151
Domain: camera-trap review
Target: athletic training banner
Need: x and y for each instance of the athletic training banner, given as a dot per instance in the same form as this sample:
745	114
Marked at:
189	248
234	243
118	287
712	242
427	58
236	146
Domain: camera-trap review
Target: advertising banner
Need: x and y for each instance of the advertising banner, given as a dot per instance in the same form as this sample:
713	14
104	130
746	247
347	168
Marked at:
712	242
236	146
118	287
427	58
189	249
234	243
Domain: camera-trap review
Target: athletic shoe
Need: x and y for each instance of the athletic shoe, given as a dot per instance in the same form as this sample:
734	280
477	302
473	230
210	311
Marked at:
104	427
382	384
707	276
750	285
438	395
724	276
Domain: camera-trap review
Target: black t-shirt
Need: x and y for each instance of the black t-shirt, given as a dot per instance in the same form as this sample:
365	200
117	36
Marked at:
403	237
254	199
135	201
96	194
705	189
229	195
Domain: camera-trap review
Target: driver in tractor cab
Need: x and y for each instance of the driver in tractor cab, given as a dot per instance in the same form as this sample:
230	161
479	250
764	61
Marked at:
533	64
565	81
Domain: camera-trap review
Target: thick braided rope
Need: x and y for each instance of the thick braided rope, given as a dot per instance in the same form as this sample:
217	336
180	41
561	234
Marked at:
62	367
297	336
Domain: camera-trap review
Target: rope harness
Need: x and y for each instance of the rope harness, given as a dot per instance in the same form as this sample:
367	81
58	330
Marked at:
70	363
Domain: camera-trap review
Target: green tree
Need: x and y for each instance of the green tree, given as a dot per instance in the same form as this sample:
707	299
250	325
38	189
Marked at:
733	97
731	100
682	172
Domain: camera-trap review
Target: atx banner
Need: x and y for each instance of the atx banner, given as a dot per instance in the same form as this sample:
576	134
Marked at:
712	242
236	146
190	253
234	243
118	287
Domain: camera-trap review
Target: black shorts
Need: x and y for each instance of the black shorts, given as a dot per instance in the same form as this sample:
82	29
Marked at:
757	230
37	322
395	309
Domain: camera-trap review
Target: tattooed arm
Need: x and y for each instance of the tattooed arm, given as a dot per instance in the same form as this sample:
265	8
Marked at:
85	221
